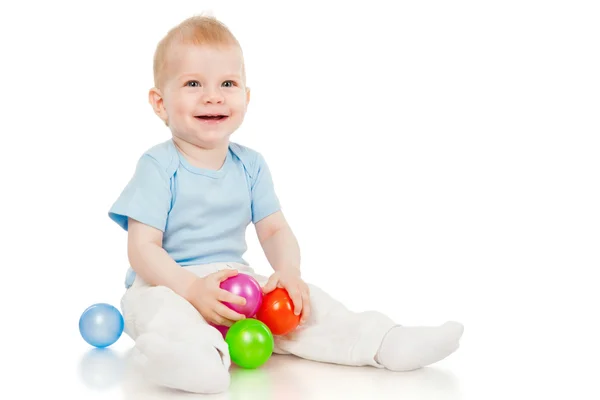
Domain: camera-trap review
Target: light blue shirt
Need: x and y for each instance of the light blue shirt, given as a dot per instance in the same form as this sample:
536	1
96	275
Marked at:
202	213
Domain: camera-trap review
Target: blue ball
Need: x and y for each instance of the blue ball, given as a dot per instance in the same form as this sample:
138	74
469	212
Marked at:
101	325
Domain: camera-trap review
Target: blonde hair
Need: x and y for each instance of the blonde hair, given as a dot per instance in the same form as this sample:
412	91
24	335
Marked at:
196	30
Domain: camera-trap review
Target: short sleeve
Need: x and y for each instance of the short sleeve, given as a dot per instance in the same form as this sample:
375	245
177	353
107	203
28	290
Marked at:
264	199
146	198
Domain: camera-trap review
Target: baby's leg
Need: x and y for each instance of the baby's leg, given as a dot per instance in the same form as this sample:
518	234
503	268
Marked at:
337	335
174	344
405	348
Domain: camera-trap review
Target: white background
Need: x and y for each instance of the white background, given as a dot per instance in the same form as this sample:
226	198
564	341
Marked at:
437	160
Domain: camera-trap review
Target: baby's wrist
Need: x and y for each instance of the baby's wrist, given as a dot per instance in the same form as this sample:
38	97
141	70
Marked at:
192	287
290	270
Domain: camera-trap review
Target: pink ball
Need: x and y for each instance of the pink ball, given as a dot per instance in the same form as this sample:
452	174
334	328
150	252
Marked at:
247	287
222	329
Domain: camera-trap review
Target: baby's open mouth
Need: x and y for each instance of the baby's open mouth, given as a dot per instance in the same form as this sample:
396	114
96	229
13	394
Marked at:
211	117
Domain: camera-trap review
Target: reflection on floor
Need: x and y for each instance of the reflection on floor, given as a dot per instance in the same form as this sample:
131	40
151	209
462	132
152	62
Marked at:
282	377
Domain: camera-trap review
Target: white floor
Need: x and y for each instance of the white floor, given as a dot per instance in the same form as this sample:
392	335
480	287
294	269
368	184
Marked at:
515	346
485	367
107	374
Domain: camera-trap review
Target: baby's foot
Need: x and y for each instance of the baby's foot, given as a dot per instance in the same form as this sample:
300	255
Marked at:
406	348
191	366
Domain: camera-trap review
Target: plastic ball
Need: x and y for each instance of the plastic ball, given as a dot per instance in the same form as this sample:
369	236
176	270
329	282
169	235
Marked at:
247	287
221	328
277	312
101	325
250	343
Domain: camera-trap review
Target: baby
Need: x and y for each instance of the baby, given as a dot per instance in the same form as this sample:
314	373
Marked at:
186	210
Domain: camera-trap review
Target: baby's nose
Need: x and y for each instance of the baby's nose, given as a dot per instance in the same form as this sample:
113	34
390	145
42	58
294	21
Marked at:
212	97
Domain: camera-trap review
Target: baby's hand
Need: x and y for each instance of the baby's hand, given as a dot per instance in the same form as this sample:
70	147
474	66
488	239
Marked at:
207	296
298	290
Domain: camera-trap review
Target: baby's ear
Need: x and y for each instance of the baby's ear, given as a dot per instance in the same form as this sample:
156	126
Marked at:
156	101
247	96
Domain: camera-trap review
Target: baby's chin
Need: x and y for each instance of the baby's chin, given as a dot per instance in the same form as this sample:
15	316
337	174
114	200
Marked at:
206	140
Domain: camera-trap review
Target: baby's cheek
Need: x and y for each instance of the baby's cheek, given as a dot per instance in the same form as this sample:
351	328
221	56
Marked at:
183	106
237	102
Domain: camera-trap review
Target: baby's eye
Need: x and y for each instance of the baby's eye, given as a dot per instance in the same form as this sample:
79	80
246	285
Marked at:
228	83
192	83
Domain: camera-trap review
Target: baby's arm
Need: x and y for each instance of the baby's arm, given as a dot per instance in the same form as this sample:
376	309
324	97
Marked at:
279	243
154	265
283	253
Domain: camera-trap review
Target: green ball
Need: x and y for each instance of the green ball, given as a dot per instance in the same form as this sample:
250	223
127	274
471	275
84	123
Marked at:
250	343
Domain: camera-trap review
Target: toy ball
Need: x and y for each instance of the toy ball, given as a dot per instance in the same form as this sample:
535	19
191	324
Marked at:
221	328
247	287
101	325
250	343
277	312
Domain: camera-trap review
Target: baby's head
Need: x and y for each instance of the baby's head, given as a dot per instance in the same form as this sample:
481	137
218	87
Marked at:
199	82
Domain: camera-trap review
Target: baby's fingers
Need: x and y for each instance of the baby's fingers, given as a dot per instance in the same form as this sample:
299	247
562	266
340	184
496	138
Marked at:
224	274
296	299
229	297
271	284
219	320
228	313
305	307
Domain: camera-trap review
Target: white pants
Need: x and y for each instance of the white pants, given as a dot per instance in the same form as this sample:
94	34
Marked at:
332	334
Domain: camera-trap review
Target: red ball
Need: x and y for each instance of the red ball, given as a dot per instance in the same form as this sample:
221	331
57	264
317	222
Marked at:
277	312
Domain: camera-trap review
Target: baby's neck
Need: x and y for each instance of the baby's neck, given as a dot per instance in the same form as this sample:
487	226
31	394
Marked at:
200	157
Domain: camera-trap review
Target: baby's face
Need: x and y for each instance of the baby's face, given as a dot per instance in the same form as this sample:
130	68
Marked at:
204	96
